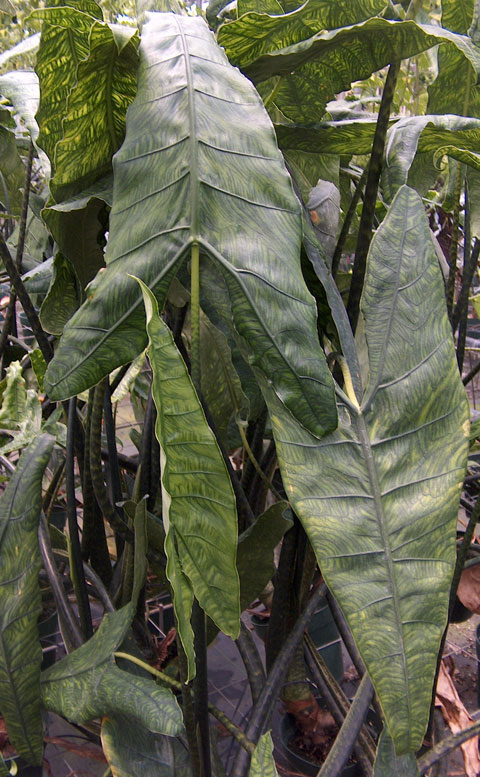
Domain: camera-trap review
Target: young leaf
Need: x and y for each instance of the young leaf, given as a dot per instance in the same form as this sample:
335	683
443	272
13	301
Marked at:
20	602
225	188
199	510
379	497
262	764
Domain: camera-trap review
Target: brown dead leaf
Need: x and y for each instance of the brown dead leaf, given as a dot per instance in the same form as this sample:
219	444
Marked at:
469	588
84	749
457	718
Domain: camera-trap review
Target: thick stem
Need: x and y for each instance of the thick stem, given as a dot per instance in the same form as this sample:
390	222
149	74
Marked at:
371	188
460	314
112	471
195	315
252	661
452	258
200	686
74	549
446	746
337	254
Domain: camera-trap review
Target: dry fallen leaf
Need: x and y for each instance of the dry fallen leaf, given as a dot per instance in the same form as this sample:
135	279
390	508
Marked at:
457	718
469	588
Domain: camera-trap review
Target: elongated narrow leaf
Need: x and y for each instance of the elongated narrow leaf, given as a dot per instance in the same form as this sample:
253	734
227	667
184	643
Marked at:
87	684
199	510
262	764
210	163
326	63
20	602
60	52
132	751
387	764
257	33
379	497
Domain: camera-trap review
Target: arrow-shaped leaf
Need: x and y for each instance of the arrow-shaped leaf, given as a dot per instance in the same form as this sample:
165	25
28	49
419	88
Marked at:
20	601
379	496
200	166
199	509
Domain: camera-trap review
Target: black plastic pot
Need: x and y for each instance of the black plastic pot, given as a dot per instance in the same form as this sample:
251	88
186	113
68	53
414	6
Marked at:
297	762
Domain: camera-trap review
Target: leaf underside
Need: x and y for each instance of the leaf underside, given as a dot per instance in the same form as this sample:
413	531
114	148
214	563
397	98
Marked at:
209	172
379	496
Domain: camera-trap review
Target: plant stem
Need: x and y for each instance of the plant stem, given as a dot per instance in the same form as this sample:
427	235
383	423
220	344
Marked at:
112	471
74	549
462	553
195	315
200	686
368	211
251	660
171	683
446	746
254	461
337	254
460	313
25	301
344	743
453	253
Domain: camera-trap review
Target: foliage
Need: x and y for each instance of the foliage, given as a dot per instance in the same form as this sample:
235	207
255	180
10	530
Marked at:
151	205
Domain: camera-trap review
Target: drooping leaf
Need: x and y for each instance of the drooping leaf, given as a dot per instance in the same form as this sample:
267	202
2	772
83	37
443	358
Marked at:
387	764
432	135
20	601
379	497
63	298
21	88
60	52
153	228
256	33
198	503
262	763
28	44
315	69
87	684
132	751
14	400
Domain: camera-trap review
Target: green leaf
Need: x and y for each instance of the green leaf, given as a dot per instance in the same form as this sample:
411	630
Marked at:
20	601
153	227
14	399
12	172
255	34
21	88
345	136
132	751
28	44
63	298
379	496
433	135
198	503
39	366
94	122
262	764
255	561
38	279
60	51
314	70
387	764
87	684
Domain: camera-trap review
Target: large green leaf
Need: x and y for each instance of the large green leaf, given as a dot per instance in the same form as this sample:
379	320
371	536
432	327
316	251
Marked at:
198	503
20	601
21	89
262	764
87	684
326	63
379	496
132	751
257	33
12	172
210	162
61	50
63	297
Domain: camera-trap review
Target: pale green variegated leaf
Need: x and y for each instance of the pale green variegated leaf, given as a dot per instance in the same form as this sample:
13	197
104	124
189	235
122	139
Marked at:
345	136
60	52
27	427
132	751
379	496
387	764
260	6
129	378
436	136
94	120
39	366
198	503
306	168
12	172
463	155
87	684
210	162
326	63
262	763
100	190
257	33
38	279
63	297
21	88
255	561
20	601
14	400
28	44
473	182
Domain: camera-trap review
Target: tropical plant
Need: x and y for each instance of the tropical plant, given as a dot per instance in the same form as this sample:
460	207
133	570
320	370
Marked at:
160	238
